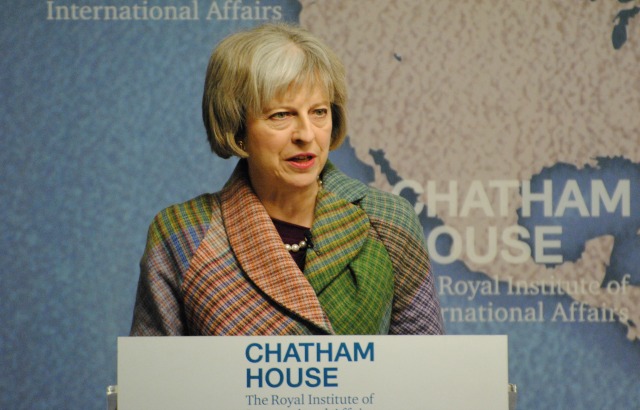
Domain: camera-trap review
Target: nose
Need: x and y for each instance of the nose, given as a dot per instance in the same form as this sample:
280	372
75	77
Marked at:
304	129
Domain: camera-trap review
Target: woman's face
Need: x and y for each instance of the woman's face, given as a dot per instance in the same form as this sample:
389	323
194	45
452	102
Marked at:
288	143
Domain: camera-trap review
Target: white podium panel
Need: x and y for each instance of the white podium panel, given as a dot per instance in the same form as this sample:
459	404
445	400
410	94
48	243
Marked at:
313	372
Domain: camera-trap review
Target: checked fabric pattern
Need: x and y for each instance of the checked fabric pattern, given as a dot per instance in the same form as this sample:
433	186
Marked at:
215	265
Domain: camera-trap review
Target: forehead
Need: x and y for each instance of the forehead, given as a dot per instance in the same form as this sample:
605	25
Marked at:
309	93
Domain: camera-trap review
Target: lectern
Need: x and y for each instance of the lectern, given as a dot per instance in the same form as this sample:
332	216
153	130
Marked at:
314	372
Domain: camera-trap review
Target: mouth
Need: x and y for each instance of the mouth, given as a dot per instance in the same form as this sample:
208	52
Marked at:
302	162
301	158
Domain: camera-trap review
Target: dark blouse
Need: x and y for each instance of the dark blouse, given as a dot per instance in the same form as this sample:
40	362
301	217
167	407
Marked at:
292	234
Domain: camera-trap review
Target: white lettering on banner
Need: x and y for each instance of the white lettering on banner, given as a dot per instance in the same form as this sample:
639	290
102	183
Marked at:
489	313
622	195
551	286
572	198
575	311
468	288
508	244
237	10
581	312
477	198
143	11
514	250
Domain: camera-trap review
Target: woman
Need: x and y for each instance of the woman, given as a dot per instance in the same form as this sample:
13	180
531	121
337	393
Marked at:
290	245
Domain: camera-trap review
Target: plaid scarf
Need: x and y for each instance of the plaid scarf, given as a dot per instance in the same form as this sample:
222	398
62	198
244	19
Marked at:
349	268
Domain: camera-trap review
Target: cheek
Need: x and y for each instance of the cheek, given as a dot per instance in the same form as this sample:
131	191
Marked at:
324	135
327	138
262	140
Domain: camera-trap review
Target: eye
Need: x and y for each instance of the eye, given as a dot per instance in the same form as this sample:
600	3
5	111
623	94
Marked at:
320	112
280	115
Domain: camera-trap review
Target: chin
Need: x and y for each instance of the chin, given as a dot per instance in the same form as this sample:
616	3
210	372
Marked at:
303	183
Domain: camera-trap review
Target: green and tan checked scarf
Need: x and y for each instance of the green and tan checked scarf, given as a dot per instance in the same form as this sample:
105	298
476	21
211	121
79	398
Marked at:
349	267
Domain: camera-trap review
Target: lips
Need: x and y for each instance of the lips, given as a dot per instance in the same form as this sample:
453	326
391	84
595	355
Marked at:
302	161
301	158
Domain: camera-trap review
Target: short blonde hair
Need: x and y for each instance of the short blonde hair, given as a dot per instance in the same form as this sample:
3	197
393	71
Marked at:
247	70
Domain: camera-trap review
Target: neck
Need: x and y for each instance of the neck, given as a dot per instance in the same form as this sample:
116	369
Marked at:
295	206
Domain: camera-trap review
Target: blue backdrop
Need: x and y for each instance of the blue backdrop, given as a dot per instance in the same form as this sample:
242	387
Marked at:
101	129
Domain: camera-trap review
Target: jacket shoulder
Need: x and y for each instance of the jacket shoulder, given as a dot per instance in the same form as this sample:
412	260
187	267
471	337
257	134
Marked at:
176	231
385	208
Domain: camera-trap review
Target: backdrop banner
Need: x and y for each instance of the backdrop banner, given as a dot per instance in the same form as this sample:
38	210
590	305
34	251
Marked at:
510	125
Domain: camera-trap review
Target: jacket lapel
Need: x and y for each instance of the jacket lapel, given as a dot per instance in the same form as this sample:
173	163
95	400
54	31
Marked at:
339	232
261	254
